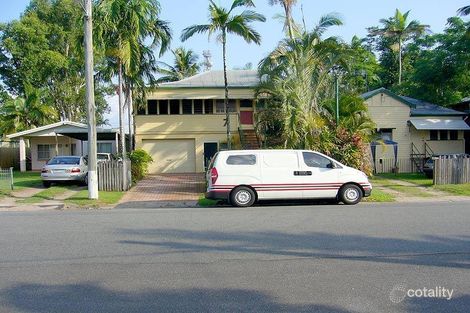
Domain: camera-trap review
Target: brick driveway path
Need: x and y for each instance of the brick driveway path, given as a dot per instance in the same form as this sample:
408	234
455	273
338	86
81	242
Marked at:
165	190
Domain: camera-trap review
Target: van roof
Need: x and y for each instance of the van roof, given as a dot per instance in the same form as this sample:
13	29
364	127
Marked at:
262	150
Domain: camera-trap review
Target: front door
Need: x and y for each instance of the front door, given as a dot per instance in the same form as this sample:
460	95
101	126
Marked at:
210	149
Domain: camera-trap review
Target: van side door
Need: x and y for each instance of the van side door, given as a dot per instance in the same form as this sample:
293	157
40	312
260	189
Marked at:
278	175
322	179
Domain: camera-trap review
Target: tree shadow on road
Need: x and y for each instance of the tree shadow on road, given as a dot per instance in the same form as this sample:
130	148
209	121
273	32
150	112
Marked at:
90	297
428	250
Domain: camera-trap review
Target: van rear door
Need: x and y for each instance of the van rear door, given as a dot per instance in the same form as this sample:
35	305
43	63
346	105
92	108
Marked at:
322	181
279	177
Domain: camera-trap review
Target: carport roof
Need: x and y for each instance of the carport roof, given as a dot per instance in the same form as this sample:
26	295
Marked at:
67	128
439	124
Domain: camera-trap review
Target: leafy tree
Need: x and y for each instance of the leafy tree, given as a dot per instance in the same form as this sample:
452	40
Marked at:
223	22
441	71
399	30
23	113
185	65
44	49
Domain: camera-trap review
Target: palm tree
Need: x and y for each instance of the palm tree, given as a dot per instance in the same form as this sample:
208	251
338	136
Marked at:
23	113
129	31
400	29
224	22
287	6
185	65
464	10
295	76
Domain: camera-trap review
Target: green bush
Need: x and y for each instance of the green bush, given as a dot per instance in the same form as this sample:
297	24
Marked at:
140	160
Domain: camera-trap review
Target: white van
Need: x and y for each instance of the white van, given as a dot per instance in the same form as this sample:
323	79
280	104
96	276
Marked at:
243	177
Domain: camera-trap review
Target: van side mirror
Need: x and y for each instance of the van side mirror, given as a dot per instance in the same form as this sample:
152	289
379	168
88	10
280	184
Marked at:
331	165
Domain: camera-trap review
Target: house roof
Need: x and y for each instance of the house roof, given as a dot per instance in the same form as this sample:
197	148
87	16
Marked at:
418	107
71	129
438	124
215	79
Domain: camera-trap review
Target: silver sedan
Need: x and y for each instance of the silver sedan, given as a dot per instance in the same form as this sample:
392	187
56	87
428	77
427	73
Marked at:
65	168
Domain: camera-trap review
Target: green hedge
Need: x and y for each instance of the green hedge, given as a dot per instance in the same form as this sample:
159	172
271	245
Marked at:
140	160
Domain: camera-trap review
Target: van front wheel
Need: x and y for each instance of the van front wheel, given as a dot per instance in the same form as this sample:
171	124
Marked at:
350	194
242	197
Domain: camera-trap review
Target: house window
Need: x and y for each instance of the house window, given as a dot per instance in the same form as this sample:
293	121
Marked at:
246	103
104	147
152	107
443	135
44	152
187	106
197	106
433	135
162	107
220	107
208	107
174	107
454	134
385	134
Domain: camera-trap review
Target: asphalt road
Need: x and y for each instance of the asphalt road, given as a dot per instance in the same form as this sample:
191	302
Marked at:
324	258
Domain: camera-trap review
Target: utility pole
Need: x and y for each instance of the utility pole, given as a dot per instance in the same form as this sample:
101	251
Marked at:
90	100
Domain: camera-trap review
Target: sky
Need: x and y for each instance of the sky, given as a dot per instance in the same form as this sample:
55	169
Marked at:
357	16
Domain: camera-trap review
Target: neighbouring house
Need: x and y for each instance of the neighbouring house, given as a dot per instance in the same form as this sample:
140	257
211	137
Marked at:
412	130
464	106
62	138
182	124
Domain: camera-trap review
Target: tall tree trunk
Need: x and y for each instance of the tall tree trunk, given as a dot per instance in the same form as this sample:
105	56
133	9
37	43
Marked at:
129	116
121	128
227	113
399	61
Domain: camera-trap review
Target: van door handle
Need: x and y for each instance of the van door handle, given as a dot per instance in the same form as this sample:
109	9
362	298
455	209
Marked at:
302	173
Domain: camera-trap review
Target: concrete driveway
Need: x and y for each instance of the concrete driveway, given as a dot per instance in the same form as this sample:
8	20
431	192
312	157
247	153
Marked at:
165	190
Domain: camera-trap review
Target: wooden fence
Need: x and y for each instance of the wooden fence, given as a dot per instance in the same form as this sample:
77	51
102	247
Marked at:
111	178
9	154
388	165
451	170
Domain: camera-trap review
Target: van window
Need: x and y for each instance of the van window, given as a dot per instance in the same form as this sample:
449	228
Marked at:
245	159
315	160
281	159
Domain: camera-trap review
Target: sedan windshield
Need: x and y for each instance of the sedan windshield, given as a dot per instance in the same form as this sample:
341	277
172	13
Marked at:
64	160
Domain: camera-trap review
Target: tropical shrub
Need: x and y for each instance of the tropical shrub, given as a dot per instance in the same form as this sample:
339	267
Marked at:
140	161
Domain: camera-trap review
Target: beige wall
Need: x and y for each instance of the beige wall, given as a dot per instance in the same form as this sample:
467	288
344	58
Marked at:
200	128
64	150
387	112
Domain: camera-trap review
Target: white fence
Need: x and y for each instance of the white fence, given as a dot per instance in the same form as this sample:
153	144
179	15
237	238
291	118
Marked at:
6	178
451	170
388	165
111	176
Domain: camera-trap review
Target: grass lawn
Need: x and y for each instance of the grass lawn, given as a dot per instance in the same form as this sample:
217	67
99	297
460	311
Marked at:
26	179
458	190
414	178
105	198
47	194
206	202
379	196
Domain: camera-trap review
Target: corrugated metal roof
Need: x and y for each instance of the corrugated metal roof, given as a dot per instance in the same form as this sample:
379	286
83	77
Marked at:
439	124
215	79
418	107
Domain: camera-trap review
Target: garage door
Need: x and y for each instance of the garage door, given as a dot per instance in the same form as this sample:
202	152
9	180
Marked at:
171	156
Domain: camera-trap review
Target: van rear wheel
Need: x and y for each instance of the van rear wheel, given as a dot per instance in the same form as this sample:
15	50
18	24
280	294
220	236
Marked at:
350	194
242	197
